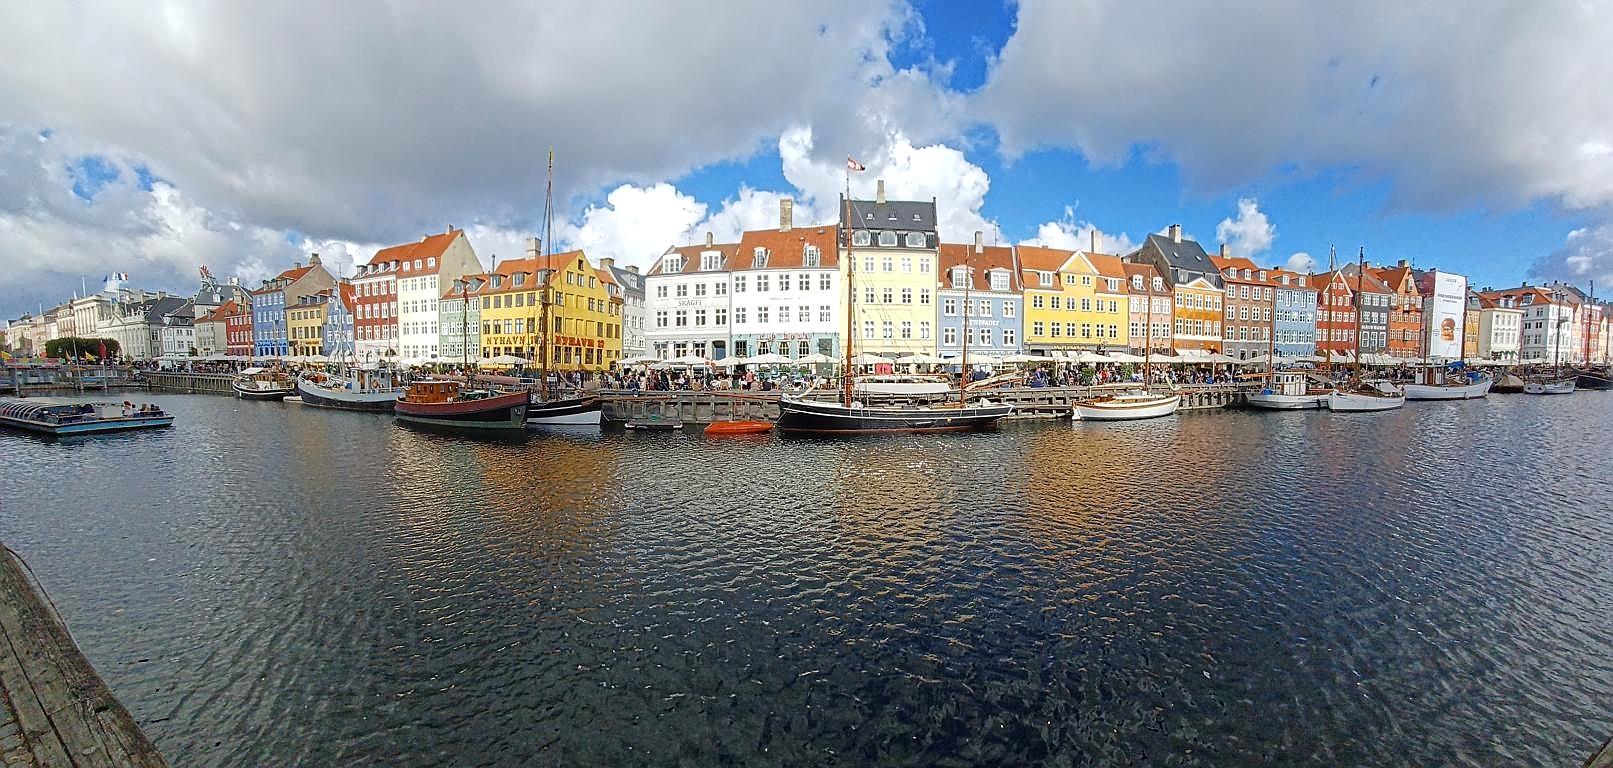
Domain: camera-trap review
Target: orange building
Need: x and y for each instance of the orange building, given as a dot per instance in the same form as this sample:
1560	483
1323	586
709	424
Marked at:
1405	312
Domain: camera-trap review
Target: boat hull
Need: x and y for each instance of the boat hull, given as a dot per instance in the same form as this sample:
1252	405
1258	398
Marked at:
381	401
577	411
1126	409
89	428
1448	392
807	417
499	412
1594	381
253	393
1564	387
1273	401
1349	402
719	428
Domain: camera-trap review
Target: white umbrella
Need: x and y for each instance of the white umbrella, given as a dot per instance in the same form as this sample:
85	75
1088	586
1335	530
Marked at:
868	359
730	362
641	360
689	361
1085	356
921	359
771	358
318	359
1260	359
1216	357
1018	358
816	358
1307	359
985	360
1124	357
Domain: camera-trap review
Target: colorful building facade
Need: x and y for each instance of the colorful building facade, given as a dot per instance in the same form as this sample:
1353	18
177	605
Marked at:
979	302
893	249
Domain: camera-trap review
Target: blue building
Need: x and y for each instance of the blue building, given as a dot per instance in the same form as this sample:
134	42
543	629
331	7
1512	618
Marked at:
1293	313
337	334
269	322
981	284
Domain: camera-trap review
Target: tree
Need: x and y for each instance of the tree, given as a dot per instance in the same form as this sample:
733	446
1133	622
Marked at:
77	347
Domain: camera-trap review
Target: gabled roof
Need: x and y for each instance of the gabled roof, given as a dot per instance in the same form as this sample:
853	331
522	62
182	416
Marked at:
430	246
220	312
1107	264
900	215
1275	275
291	275
1184	256
1538	295
786	250
691	257
1393	277
1368	282
1037	258
347	294
980	264
1147	273
627	278
530	267
1324	280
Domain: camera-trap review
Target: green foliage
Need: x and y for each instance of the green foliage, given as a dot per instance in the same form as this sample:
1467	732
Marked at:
77	348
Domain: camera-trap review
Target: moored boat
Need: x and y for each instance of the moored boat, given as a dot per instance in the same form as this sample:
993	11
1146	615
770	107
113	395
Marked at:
1362	397
1457	390
719	428
1126	407
451	404
1288	391
1508	384
1594	379
262	384
583	410
370	391
1549	387
810	416
63	419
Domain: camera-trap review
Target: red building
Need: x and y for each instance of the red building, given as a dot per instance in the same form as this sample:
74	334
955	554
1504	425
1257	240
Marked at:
1335	314
238	329
1405	339
375	307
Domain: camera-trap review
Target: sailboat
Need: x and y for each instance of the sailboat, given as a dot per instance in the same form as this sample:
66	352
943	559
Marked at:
1358	395
1557	383
1591	377
545	410
850	416
1130	406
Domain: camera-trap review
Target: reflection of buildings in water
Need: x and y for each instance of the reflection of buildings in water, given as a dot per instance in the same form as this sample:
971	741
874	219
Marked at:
910	486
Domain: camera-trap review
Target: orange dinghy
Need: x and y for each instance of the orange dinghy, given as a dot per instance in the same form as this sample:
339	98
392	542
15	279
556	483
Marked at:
738	427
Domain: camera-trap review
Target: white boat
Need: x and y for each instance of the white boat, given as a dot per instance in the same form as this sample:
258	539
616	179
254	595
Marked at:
1125	407
1367	398
366	390
580	411
1287	392
1463	390
1558	387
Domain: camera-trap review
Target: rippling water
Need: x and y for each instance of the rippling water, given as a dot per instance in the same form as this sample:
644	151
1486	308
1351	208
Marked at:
269	585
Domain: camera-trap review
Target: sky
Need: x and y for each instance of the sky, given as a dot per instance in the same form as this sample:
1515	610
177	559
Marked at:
155	138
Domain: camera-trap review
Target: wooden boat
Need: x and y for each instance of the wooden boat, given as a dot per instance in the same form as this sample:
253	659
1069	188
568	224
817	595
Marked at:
720	428
1362	397
262	384
1549	387
573	411
49	417
816	417
1126	407
363	390
1594	379
452	404
1451	390
1289	391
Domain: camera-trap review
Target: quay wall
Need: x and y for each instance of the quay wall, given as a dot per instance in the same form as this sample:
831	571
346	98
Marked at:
191	383
704	407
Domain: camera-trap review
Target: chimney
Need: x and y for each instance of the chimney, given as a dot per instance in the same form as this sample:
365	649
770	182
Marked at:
879	192
786	209
606	262
533	247
632	268
979	242
298	265
1094	239
313	259
1223	250
1400	263
450	229
1176	233
708	239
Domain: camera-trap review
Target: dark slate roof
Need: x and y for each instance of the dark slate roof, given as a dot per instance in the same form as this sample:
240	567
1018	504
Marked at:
902	215
1186	256
629	280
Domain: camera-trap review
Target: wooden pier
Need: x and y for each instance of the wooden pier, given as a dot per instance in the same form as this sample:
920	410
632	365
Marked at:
54	710
191	383
706	406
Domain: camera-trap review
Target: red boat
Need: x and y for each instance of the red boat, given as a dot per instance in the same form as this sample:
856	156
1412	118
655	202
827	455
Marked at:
451	404
718	428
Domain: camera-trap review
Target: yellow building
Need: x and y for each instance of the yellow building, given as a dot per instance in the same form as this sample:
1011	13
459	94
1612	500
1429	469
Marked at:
305	324
892	261
1111	302
585	315
1073	300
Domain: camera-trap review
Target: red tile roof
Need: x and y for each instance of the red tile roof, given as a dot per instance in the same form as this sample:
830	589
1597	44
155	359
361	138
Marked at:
222	311
430	246
1036	258
1148	273
691	256
1107	264
785	250
990	257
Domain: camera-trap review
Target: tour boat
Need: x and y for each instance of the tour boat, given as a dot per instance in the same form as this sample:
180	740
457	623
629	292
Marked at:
902	384
719	428
262	384
1450	390
63	419
1125	407
1549	387
809	416
449	403
365	390
1288	391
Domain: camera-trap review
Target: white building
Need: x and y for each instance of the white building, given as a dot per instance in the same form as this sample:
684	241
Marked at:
1500	326
687	301
1546	332
634	306
424	271
787	290
178	333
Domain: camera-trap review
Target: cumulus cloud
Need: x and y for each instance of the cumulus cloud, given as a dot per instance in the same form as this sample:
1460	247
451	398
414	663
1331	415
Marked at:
1074	235
1248	235
1479	104
1586	254
1301	261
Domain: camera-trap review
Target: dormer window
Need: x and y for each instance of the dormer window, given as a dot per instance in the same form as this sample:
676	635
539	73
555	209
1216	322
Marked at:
1285	279
431	262
862	238
1046	278
915	239
811	256
672	264
1159	284
759	259
498	281
1230	272
887	239
999	280
1137	282
959	277
1262	274
1246	274
518	278
416	263
406	266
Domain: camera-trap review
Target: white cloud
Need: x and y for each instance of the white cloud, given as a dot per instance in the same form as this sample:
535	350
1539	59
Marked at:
1301	261
1586	254
1250	234
1071	234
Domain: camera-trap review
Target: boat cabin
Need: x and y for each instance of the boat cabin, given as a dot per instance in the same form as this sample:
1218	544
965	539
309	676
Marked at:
434	391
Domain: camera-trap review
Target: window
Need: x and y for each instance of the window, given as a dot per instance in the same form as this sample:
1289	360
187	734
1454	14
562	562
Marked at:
985	337
699	289
824	282
1058	303
811	256
719	316
915	239
868	295
958	275
682	290
868	329
887	330
824	314
924	296
907	295
1045	278
739	285
861	237
907	263
868	263
720	288
1008	308
711	260
999	280
681	318
700	317
887	264
887	239
762	284
1008	337
949	307
949	336
985	307
1057	330
660	292
759	258
907	329
1086	305
739	315
924	330
762	314
924	266
889	296
1036	301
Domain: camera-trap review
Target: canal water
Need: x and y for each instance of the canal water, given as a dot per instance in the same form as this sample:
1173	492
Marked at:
266	584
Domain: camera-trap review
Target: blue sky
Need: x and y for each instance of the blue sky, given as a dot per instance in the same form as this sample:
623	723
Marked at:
1302	126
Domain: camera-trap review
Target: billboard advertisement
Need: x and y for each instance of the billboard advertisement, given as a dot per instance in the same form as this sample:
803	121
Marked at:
1444	311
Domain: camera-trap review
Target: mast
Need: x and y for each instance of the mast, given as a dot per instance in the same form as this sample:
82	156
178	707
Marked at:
851	292
968	280
1360	279
1148	336
1271	341
1590	306
464	323
546	270
1557	321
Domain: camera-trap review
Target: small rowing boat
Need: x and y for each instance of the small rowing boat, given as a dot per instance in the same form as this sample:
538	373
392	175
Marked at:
722	428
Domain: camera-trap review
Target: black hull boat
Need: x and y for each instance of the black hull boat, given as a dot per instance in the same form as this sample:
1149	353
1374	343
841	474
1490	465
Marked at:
1594	380
574	411
809	417
262	384
445	404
